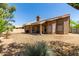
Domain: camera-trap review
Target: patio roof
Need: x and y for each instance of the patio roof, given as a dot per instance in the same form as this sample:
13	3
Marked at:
45	20
41	22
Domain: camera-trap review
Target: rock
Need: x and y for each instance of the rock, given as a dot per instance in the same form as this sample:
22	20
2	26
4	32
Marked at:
1	37
62	48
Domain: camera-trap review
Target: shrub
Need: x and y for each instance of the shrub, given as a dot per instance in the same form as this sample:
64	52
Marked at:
37	49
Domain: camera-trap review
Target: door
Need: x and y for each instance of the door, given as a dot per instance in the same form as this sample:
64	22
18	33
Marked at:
45	30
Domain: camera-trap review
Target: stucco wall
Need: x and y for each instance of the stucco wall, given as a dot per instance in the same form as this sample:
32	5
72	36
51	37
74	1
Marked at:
66	25
59	26
54	28
51	27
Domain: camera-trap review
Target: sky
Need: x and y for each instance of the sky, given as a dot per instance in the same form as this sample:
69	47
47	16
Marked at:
27	12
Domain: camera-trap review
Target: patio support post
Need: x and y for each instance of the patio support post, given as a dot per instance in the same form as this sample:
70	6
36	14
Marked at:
52	29
47	28
40	28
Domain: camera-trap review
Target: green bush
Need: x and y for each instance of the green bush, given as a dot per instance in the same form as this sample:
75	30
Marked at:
37	49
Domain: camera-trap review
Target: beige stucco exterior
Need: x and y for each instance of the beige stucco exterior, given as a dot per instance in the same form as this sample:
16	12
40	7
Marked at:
59	25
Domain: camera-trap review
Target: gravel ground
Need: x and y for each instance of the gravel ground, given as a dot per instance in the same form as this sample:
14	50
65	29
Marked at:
19	36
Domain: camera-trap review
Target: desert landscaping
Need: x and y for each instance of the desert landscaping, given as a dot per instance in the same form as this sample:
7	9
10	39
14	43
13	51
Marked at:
67	44
58	36
61	45
19	36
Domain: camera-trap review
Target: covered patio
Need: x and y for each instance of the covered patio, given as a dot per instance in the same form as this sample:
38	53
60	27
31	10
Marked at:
57	25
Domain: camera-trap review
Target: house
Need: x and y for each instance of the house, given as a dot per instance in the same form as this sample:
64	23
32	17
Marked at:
58	25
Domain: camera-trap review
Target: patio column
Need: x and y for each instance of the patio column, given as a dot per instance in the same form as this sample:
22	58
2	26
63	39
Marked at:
40	28
47	28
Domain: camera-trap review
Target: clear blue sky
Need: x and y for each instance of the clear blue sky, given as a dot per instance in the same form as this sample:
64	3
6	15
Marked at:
27	12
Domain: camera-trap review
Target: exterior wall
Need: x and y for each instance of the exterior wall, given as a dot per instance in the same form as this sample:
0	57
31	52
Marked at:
54	28
26	29
59	26
36	29
51	27
47	27
63	25
66	25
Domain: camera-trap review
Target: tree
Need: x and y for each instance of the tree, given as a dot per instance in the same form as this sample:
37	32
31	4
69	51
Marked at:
6	15
12	9
74	5
2	26
4	5
74	24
